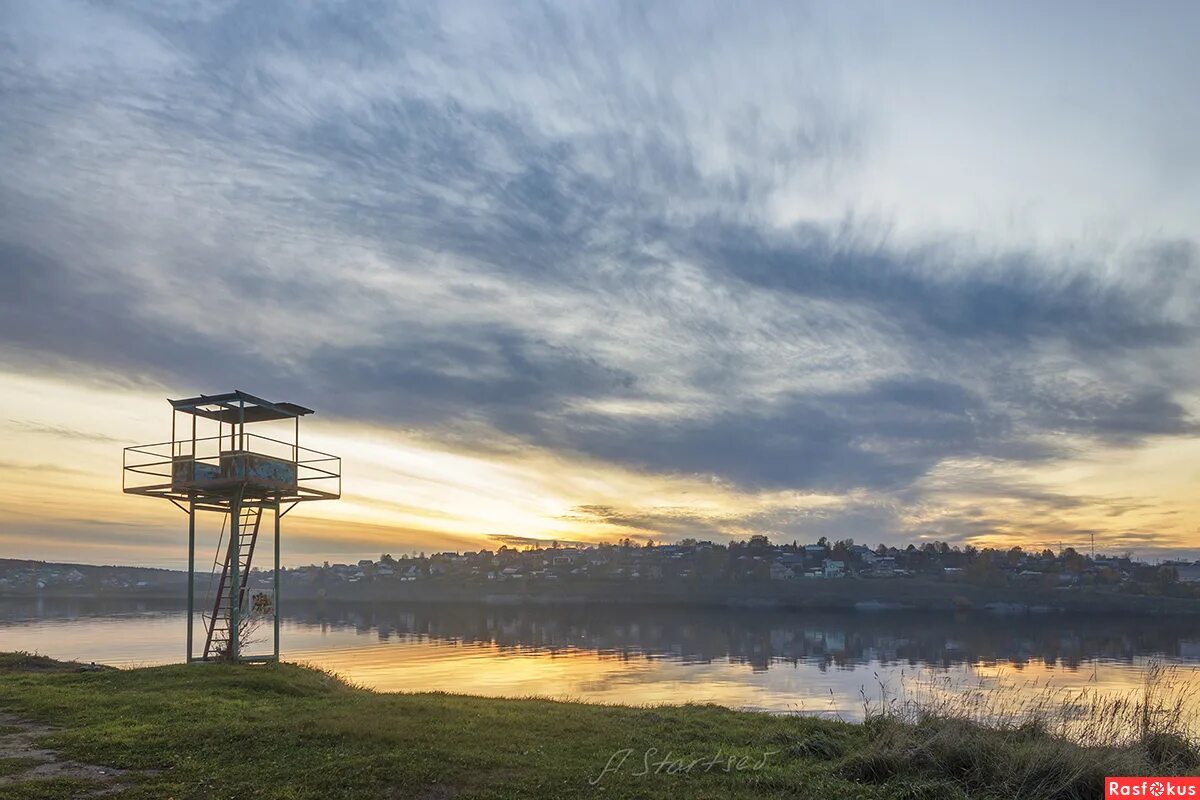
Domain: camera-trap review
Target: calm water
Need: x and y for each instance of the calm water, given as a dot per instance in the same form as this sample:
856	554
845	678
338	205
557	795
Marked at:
785	662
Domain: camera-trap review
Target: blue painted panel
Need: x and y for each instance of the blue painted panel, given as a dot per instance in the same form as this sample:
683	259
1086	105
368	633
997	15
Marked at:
258	469
206	472
185	471
271	470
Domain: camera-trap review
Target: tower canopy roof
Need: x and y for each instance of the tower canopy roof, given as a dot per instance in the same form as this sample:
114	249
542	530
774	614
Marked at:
237	406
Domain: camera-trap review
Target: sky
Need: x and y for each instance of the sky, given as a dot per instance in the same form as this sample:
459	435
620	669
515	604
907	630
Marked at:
577	272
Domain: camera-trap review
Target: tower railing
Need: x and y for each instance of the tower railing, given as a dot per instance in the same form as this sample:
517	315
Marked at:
210	466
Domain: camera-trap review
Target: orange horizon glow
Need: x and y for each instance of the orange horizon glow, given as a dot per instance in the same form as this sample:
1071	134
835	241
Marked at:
407	492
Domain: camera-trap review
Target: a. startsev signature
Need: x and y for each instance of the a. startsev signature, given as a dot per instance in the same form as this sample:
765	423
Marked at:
669	764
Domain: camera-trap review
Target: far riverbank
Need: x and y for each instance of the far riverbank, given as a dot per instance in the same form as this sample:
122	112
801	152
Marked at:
848	594
827	595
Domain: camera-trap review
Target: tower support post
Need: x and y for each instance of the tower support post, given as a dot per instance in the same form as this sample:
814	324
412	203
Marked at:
275	592
191	586
235	578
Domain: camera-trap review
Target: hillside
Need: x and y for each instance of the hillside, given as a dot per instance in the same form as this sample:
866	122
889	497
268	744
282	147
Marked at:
918	592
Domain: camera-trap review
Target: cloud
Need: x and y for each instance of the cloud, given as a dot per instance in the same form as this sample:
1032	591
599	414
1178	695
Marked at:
62	431
657	523
529	541
547	227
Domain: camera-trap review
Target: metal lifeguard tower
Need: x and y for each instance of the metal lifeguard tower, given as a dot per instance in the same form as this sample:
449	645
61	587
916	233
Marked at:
239	475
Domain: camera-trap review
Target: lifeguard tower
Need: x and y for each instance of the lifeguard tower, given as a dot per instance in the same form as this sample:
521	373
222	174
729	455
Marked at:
219	467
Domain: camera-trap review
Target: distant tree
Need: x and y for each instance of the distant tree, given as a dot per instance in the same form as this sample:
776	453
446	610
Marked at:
1073	561
1165	576
711	564
823	542
983	572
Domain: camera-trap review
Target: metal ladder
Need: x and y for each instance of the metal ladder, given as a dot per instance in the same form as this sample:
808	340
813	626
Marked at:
249	519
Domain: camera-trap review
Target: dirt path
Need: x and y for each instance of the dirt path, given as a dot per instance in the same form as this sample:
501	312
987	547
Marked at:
17	737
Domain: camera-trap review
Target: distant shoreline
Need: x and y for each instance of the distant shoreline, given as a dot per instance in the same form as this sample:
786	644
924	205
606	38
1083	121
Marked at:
864	596
832	595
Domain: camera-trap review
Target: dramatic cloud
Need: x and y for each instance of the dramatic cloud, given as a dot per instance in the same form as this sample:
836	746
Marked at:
795	254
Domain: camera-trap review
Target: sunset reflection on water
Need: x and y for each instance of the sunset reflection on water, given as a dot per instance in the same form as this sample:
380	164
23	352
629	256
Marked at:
819	664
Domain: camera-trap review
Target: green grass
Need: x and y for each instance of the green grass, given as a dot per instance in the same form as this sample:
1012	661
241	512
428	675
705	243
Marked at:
12	766
30	662
288	732
54	789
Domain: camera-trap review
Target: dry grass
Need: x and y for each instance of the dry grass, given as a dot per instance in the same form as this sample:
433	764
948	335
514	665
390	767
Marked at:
1009	739
1165	704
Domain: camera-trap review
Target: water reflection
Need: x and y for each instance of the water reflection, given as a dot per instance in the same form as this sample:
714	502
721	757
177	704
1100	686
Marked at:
761	639
780	661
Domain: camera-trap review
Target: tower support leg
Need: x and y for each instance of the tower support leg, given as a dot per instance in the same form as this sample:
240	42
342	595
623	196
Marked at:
191	589
235	578
276	589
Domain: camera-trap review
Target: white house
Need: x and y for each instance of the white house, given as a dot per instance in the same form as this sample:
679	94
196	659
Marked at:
834	569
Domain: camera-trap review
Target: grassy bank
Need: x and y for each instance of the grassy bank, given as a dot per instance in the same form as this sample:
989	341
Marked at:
285	731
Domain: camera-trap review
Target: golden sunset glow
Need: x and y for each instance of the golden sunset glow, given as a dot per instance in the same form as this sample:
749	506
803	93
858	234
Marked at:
408	492
389	661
